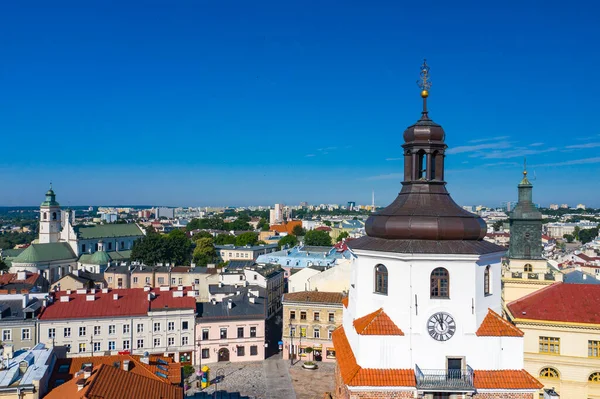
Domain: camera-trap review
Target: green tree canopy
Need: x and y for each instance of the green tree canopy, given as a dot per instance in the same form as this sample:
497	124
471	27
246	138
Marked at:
150	249
204	252
178	247
289	240
343	234
327	223
318	238
263	225
587	235
3	265
201	234
298	231
569	237
249	238
224	239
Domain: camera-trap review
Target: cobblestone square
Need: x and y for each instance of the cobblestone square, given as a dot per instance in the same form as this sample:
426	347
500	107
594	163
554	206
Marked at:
312	384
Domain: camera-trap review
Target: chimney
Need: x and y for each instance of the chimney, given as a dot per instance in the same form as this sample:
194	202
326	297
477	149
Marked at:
22	275
251	299
87	372
146	288
115	297
68	292
80	384
25	300
229	303
64	298
164	288
105	290
90	298
180	287
145	358
75	272
126	365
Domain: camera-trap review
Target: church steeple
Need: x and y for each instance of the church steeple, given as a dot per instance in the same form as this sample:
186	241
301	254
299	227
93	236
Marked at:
424	209
49	218
525	224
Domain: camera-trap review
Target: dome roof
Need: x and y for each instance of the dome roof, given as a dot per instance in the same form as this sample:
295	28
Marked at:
425	130
100	258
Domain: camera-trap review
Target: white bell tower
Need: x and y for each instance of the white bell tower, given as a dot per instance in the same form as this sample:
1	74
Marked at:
49	219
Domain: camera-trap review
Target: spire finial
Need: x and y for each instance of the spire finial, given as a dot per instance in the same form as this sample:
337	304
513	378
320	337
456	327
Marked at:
50	185
425	84
524	166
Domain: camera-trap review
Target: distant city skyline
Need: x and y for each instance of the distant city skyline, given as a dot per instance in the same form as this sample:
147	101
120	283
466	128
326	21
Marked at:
202	104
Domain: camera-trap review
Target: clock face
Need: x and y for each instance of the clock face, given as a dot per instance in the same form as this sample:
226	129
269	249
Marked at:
441	326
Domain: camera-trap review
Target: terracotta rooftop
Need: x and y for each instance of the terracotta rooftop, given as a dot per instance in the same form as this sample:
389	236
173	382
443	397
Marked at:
286	227
574	303
115	383
75	364
314	297
376	323
9	278
354	375
507	379
495	326
130	302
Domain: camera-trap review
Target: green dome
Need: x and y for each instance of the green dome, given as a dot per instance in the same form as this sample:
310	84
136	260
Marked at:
50	198
100	258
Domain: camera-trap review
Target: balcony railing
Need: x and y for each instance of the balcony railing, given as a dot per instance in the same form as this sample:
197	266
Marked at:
446	380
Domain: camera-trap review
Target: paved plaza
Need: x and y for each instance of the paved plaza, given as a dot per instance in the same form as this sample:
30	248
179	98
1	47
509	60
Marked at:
272	378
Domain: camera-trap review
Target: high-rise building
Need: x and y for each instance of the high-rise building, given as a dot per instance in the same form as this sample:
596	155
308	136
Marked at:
276	214
422	319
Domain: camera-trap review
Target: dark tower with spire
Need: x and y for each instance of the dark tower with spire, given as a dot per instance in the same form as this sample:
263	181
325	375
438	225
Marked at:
424	218
525	224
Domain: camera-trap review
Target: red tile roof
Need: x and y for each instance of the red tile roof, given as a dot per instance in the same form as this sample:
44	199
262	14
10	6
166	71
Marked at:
130	302
314	297
574	303
323	228
345	301
354	375
135	366
8	278
286	227
504	379
111	382
495	326
376	323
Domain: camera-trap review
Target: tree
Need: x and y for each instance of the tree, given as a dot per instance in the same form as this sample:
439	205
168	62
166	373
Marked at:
568	237
263	225
327	223
317	238
150	249
587	235
224	239
239	225
3	265
179	247
576	232
289	241
204	252
194	224
498	224
298	231
343	234
201	234
249	238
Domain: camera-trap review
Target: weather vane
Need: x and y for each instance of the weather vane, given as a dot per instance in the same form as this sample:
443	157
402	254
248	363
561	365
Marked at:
424	83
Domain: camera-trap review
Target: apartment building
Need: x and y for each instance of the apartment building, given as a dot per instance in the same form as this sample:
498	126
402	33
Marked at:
233	329
562	337
247	273
25	374
232	252
18	316
309	319
136	320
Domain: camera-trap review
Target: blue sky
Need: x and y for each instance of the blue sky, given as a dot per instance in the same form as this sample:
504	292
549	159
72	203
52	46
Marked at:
237	102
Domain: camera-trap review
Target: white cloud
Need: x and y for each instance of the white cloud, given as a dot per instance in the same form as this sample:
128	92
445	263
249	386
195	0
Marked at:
497	138
393	159
536	144
478	147
586	145
572	162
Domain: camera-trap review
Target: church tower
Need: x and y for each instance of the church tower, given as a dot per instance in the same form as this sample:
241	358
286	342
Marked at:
526	270
422	317
49	219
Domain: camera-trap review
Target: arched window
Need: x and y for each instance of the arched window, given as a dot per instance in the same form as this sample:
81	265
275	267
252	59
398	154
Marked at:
486	281
53	215
422	165
594	377
528	268
45	216
381	279
440	283
432	161
549	372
